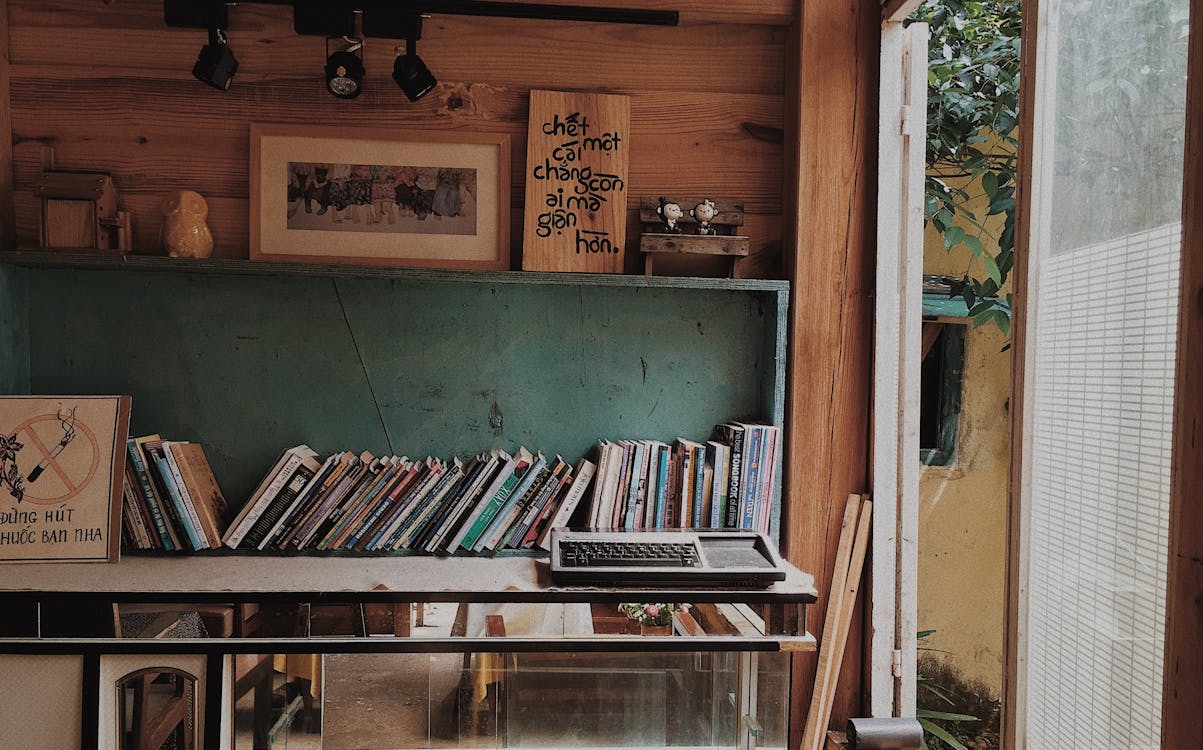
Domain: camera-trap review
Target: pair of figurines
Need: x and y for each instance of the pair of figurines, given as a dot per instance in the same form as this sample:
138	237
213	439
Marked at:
671	214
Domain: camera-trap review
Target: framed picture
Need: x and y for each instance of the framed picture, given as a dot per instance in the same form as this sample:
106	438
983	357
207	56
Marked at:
62	462
380	197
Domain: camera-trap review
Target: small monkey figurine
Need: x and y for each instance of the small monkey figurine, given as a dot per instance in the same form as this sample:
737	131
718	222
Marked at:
704	213
185	234
670	213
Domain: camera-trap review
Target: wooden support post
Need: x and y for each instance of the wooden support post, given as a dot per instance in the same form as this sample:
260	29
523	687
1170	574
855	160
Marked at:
1183	678
829	239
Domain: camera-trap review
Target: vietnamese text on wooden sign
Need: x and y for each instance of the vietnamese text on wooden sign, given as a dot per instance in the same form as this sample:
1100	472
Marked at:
576	182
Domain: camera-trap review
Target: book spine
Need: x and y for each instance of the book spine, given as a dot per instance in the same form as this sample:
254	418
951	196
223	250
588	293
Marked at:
139	534
309	529
283	500
506	514
751	479
186	497
685	514
617	500
279	533
638	479
235	534
585	470
672	488
546	490
662	456
413	505
403	507
486	516
350	527
380	512
148	495
421	519
177	502
556	498
699	485
769	478
734	483
341	516
479	503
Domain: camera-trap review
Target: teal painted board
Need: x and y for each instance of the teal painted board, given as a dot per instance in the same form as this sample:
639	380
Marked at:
250	365
14	331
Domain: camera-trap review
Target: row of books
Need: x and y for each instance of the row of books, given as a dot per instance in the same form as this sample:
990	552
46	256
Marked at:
171	500
361	502
726	482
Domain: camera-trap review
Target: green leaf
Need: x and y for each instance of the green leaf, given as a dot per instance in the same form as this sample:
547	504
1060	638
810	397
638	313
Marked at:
992	269
990	184
974	245
953	237
927	713
935	729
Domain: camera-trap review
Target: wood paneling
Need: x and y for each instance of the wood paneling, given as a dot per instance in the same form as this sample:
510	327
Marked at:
1182	721
831	258
110	88
8	233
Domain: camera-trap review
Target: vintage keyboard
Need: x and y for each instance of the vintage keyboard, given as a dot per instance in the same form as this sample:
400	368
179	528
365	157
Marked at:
720	557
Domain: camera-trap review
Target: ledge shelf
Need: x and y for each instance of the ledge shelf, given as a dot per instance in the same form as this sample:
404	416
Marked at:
242	267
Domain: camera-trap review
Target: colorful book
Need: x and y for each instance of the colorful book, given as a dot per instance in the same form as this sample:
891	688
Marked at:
733	435
750	491
718	457
522	461
268	487
164	482
464	538
166	539
511	510
286	523
583	473
206	496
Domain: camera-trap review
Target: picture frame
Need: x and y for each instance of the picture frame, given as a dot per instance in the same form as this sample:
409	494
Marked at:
380	197
62	472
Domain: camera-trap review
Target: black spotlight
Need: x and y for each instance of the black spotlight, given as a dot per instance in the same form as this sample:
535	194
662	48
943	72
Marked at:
411	74
216	64
344	69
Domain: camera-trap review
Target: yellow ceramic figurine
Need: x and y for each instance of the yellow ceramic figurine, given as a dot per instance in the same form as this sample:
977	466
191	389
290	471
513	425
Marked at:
185	234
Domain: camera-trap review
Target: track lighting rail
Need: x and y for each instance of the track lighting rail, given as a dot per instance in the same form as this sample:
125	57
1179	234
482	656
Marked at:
198	15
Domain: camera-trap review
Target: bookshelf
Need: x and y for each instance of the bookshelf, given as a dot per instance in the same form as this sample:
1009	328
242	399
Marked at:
249	358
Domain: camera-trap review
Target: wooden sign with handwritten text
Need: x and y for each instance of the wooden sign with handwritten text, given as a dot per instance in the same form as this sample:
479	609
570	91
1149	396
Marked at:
576	182
62	469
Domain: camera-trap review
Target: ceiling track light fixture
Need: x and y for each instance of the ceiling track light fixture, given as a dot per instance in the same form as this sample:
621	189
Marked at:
350	21
344	67
409	72
216	64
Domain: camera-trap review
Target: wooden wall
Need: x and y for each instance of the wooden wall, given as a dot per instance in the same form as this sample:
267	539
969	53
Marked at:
715	110
110	88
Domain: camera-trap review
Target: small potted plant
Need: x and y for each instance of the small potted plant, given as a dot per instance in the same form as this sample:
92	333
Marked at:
653	619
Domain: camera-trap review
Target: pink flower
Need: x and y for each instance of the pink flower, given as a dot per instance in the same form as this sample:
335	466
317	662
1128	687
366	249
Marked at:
652	610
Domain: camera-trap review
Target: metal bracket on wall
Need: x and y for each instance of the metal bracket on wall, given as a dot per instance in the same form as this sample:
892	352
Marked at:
388	18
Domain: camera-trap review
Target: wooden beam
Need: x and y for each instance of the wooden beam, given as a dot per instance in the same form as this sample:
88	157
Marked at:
1182	690
897	11
831	107
931	332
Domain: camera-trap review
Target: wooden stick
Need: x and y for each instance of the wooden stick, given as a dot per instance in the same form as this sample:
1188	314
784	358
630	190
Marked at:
860	550
812	732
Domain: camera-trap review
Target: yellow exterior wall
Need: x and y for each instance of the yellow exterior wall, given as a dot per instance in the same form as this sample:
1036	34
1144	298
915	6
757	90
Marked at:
962	506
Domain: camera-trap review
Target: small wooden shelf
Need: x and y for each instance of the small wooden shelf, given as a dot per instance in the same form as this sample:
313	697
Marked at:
239	267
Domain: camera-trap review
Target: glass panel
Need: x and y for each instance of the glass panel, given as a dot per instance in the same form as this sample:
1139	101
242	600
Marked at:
1108	180
522	700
